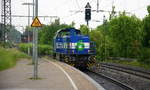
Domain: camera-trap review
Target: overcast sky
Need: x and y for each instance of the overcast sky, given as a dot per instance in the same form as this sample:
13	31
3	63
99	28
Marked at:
62	8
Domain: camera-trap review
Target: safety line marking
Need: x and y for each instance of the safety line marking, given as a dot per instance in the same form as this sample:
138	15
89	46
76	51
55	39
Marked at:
71	81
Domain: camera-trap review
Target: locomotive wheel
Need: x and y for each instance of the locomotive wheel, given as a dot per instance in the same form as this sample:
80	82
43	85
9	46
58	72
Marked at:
71	63
61	58
58	57
91	61
66	60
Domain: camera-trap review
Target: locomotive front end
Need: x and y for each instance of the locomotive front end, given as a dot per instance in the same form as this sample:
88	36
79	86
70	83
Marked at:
74	48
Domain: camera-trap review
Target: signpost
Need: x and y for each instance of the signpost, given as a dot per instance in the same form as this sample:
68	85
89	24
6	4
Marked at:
36	23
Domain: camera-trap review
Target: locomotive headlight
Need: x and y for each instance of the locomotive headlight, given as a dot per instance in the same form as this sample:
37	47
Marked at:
87	45
72	45
80	45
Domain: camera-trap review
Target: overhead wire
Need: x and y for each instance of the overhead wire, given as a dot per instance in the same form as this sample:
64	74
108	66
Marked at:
77	12
74	12
55	8
140	8
70	15
137	9
80	8
78	4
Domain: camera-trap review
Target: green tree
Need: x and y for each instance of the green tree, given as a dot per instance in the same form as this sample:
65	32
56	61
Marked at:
47	32
100	37
84	29
103	47
125	35
148	9
1	30
146	28
14	35
72	24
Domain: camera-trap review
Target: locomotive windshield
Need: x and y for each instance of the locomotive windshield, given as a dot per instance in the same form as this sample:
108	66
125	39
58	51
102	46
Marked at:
78	32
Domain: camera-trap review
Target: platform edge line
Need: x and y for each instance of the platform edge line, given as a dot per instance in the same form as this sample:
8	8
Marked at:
71	81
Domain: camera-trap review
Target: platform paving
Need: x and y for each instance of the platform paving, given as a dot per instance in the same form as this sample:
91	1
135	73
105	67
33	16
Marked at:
53	75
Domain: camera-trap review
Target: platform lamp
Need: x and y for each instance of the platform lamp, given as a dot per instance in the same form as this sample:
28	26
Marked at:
28	4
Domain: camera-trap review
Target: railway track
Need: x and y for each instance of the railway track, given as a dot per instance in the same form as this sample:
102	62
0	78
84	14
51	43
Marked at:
132	71
123	77
118	85
134	78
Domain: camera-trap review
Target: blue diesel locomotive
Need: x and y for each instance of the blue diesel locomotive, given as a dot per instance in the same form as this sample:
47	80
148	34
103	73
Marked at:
70	46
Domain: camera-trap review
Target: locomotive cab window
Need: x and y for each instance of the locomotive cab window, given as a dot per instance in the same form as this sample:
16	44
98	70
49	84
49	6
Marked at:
64	34
77	32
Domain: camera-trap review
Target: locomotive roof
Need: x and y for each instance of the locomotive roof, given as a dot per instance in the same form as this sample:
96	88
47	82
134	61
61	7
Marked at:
67	30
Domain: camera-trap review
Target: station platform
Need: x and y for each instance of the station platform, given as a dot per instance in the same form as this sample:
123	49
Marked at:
53	75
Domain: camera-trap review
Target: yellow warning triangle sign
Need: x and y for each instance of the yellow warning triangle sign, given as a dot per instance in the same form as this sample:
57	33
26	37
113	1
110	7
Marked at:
36	23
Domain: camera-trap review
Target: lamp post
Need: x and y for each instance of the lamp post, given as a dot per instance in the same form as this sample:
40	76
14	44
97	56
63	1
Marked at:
29	4
105	23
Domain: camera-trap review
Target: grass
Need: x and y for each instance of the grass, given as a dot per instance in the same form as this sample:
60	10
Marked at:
130	63
9	57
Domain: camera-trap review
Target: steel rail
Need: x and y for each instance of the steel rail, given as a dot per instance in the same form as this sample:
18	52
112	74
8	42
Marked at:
145	75
124	86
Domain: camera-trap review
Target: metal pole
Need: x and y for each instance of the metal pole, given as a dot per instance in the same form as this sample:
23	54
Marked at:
35	43
33	52
36	7
87	26
87	22
104	22
97	5
33	9
28	28
4	29
28	14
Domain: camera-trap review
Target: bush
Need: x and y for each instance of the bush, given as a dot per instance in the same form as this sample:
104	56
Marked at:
42	49
145	56
24	47
134	63
6	44
8	57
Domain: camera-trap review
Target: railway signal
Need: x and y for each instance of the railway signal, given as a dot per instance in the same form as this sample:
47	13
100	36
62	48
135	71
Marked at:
87	13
